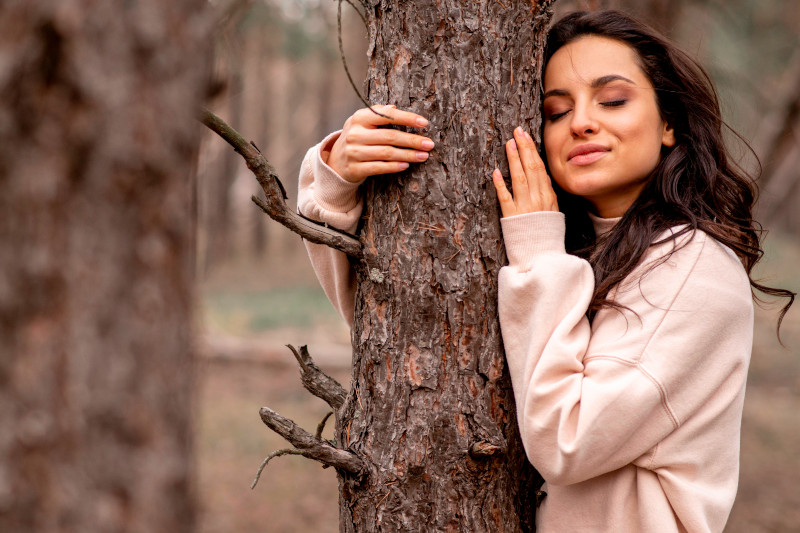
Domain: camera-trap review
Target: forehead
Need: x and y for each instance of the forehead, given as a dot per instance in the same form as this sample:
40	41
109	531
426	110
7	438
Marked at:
591	57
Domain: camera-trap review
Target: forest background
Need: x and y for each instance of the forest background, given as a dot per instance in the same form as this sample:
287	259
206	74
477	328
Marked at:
282	85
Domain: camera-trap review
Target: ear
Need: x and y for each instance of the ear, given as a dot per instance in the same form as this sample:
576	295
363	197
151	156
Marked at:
668	136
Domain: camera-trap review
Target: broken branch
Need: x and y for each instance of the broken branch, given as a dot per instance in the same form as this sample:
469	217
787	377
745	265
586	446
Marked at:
309	446
316	381
275	203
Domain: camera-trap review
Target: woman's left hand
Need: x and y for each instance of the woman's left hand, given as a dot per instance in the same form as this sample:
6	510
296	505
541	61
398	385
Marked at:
529	180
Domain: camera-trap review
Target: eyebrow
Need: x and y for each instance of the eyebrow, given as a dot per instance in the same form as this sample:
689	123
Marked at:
596	83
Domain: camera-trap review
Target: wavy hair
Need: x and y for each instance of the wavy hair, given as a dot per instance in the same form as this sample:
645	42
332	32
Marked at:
695	185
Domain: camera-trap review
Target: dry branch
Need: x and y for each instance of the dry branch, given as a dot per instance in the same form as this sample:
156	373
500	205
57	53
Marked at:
321	425
275	203
270	457
316	381
309	446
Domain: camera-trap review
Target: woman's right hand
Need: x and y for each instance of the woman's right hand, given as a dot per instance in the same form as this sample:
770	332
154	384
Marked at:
363	149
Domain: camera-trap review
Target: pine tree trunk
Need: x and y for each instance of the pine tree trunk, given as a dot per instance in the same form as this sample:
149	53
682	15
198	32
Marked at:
429	379
97	143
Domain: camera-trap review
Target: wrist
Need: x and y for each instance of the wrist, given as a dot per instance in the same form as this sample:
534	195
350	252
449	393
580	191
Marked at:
531	234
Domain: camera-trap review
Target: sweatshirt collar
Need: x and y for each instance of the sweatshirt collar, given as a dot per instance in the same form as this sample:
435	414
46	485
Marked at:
603	225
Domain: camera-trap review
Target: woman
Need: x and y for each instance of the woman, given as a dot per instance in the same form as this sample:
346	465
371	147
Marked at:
629	354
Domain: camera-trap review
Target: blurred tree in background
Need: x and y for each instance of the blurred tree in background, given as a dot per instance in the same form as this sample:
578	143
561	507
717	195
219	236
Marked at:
97	148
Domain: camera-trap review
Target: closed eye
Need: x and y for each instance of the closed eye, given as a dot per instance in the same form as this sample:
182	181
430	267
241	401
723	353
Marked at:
614	103
555	116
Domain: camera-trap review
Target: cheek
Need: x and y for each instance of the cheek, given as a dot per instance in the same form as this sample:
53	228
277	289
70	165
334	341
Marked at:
644	128
631	128
643	137
552	150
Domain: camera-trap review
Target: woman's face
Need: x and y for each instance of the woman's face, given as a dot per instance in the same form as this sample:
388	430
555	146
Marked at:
603	131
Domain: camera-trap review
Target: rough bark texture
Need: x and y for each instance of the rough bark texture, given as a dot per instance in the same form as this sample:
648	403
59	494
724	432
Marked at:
97	142
429	378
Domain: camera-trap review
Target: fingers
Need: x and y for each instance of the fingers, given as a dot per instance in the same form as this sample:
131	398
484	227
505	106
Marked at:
539	187
367	136
519	181
375	168
362	153
531	161
363	149
532	188
395	116
507	206
359	171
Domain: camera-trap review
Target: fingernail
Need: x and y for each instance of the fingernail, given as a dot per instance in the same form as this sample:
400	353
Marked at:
393	106
528	136
422	156
513	145
427	144
403	165
518	129
421	122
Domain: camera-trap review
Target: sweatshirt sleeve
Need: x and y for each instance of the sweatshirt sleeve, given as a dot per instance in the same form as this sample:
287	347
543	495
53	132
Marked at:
592	398
327	197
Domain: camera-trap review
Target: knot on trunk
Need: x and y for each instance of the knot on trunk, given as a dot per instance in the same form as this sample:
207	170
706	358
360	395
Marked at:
483	449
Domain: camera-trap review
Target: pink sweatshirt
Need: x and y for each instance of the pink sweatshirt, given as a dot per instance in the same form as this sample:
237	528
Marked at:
633	420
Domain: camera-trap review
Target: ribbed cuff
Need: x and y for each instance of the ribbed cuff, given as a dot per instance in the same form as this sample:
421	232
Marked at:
331	191
528	235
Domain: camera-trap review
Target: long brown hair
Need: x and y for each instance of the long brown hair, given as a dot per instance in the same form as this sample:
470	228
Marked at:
695	185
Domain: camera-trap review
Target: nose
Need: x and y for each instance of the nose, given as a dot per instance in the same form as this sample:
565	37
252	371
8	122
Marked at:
583	121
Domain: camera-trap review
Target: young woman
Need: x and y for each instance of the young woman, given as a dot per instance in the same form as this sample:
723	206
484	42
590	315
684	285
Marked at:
627	316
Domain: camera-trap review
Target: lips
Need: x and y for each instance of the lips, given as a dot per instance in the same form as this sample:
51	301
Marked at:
586	154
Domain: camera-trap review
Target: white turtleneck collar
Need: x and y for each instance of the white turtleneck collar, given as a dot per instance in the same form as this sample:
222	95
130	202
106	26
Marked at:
603	225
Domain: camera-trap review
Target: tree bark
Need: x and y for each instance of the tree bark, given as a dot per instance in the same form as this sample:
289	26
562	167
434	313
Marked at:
429	378
97	144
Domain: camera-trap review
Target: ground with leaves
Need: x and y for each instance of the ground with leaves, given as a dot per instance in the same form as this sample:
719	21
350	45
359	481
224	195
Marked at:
248	318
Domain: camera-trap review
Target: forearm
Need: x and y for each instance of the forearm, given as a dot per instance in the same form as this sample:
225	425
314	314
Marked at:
326	197
577	421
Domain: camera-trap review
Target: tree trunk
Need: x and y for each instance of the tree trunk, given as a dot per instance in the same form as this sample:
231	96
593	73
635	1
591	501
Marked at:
97	142
432	409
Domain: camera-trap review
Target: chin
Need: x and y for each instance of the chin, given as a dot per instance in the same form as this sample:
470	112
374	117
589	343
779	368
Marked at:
585	188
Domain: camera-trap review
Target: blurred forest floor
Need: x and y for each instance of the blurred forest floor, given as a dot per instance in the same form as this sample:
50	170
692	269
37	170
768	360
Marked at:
251	311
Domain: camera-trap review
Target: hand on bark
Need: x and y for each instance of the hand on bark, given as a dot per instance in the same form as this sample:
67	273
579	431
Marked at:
363	149
529	180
